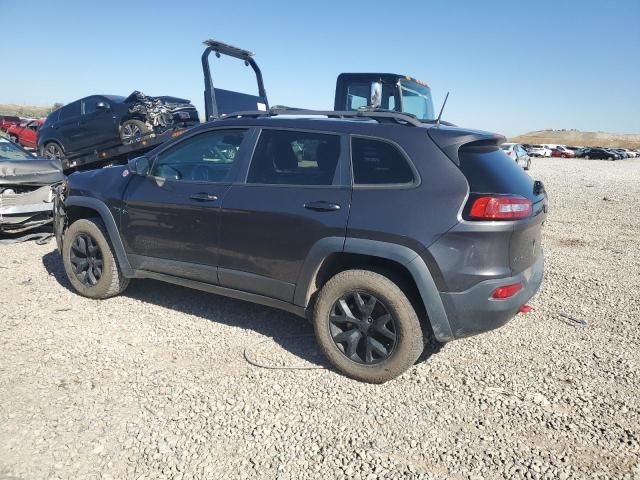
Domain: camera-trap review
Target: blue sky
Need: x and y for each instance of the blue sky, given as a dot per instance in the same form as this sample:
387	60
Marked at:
511	66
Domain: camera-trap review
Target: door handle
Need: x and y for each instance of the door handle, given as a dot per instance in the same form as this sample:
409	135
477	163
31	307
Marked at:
322	206
204	197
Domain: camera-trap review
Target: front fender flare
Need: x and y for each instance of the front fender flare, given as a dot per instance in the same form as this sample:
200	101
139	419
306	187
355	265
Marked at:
112	228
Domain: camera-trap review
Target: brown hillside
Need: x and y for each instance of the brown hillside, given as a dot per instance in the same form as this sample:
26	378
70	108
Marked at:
576	137
29	111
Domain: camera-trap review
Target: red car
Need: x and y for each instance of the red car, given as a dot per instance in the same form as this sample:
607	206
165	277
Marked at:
7	121
26	135
562	152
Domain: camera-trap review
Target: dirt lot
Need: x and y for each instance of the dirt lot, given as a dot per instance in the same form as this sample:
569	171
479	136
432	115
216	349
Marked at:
154	384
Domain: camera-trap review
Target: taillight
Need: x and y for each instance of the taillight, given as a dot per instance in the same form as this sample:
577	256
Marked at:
506	291
500	207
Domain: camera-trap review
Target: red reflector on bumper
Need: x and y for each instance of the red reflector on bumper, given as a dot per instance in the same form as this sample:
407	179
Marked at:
506	291
525	308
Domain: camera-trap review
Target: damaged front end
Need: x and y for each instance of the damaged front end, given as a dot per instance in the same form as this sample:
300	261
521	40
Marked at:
27	193
162	113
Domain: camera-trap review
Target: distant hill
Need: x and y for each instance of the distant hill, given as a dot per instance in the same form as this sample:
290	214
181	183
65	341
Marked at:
29	111
576	137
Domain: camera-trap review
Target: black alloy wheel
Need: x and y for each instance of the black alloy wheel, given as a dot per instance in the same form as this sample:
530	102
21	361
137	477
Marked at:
362	328
86	260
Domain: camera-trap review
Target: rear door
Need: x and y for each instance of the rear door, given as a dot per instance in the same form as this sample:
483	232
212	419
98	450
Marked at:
296	193
68	125
171	216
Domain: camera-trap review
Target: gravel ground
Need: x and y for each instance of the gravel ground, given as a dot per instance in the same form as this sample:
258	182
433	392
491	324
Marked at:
154	383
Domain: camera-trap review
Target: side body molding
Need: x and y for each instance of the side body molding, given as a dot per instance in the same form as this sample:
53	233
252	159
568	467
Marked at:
112	228
398	253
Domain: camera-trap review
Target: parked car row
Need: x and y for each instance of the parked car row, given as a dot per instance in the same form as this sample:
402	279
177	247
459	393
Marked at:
567	151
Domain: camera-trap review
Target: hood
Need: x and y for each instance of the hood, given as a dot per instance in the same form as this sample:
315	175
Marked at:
137	96
30	172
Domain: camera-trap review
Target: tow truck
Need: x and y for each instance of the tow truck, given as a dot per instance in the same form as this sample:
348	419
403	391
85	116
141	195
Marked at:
354	91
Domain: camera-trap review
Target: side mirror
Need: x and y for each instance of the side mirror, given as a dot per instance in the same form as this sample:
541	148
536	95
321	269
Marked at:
102	106
375	98
139	166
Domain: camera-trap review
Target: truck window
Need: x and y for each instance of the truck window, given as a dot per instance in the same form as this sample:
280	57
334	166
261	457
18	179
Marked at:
416	99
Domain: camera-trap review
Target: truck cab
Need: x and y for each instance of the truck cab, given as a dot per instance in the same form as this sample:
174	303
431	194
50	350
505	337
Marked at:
387	91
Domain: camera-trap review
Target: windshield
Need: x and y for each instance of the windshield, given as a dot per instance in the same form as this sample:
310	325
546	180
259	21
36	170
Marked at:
416	99
9	151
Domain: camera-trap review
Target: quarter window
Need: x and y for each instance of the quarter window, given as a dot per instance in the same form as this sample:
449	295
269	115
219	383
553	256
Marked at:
376	163
285	157
207	157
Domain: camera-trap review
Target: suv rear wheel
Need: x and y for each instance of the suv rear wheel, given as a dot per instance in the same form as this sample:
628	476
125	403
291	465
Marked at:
366	326
89	261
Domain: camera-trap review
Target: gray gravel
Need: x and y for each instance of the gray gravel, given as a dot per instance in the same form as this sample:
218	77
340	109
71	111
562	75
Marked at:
154	384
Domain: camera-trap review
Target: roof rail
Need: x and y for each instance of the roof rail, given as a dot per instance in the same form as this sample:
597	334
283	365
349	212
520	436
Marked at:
378	115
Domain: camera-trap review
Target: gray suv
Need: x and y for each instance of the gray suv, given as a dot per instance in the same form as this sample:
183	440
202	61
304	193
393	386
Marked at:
383	230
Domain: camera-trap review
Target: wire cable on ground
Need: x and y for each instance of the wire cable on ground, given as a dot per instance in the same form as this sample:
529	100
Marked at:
569	320
256	363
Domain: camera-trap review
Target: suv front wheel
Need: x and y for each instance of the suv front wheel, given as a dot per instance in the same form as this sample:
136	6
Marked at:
366	326
89	261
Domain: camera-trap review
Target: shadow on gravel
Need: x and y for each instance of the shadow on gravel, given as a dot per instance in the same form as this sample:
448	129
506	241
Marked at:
280	326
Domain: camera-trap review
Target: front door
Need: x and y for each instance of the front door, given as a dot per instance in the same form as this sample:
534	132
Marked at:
171	216
296	193
100	125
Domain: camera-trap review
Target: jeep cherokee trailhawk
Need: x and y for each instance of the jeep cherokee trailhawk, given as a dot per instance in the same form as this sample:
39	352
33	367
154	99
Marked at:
382	229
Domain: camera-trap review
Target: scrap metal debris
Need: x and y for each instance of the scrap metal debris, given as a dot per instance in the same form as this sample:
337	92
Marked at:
159	112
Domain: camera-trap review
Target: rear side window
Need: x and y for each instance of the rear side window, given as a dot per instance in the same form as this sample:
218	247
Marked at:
376	162
284	157
70	111
488	170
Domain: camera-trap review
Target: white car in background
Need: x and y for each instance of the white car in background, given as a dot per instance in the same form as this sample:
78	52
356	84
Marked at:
539	151
518	154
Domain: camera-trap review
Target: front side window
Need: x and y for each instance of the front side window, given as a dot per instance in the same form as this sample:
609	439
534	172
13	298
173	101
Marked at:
285	157
89	105
207	157
377	163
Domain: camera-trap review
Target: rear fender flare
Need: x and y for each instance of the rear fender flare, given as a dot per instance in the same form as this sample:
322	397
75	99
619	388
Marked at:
405	256
105	214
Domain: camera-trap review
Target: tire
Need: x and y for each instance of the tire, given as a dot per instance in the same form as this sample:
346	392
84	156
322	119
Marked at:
132	131
13	138
110	281
401	336
528	165
52	151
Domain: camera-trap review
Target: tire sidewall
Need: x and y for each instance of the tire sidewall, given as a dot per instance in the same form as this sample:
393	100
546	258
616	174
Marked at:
405	319
88	227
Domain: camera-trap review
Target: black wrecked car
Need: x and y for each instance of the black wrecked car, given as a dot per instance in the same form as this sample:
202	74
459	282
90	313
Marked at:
101	121
380	228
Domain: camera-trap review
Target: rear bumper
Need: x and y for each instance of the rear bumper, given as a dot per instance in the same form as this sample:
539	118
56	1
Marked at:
472	311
